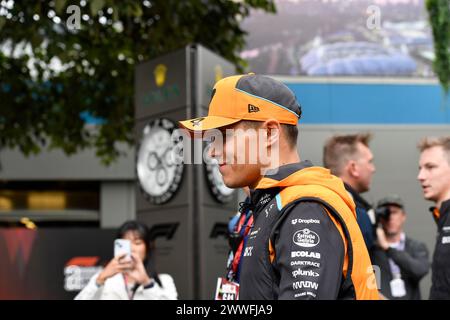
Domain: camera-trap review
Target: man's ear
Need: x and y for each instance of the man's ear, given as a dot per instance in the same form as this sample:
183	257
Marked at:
352	169
273	131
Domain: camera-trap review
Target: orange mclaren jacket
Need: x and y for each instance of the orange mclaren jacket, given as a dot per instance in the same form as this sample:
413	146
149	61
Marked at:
305	242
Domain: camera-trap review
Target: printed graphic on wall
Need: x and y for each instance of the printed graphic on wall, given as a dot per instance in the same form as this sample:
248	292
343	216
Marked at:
51	263
341	38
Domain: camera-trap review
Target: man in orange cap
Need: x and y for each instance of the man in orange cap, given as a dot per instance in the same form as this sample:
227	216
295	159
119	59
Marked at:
305	242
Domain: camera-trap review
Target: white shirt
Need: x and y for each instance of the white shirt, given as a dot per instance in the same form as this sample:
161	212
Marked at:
114	288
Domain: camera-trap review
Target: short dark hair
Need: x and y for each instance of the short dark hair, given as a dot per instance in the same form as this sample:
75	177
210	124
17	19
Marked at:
290	131
339	149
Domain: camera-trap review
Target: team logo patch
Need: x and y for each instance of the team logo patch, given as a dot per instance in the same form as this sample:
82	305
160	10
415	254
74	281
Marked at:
306	238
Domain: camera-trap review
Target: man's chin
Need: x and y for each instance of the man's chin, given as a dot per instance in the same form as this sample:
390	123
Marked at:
391	234
429	197
232	185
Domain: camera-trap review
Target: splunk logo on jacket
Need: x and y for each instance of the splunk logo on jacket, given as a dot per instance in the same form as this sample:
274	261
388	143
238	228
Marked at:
306	238
304	273
78	271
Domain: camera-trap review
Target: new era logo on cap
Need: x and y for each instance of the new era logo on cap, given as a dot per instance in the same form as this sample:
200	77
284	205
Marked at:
252	108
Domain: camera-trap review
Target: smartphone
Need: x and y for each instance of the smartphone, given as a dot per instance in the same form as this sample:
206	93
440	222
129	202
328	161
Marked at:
122	246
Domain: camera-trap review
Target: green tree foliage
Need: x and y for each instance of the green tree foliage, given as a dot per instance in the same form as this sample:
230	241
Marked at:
439	16
52	70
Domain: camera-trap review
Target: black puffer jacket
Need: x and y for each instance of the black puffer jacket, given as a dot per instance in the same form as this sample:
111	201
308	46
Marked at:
440	281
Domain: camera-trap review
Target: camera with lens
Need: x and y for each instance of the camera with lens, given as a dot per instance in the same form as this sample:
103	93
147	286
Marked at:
382	212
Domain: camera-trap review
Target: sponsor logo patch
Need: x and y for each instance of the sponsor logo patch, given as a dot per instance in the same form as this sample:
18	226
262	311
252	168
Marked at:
302	294
305	254
306	238
305	263
304	221
306	273
304	284
265	199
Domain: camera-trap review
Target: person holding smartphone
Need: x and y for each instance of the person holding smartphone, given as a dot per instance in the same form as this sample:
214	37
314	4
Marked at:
131	274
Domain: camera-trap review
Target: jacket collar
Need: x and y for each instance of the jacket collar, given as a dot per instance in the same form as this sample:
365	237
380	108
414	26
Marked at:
440	214
359	201
261	196
284	171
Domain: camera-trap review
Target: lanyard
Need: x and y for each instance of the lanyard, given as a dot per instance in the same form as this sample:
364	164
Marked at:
131	292
244	226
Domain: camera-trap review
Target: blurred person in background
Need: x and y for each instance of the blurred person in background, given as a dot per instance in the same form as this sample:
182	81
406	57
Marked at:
134	279
349	157
434	177
402	261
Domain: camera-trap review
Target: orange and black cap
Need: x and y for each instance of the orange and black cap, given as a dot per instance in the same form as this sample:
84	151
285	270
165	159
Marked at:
247	97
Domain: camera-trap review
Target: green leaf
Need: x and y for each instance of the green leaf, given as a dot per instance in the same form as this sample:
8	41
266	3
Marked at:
60	6
2	22
115	14
439	17
137	10
96	6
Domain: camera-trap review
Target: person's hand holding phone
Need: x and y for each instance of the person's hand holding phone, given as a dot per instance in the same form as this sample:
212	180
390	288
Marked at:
138	272
381	239
118	264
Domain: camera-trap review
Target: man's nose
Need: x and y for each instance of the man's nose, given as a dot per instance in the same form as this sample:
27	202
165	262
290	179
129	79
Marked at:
421	175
